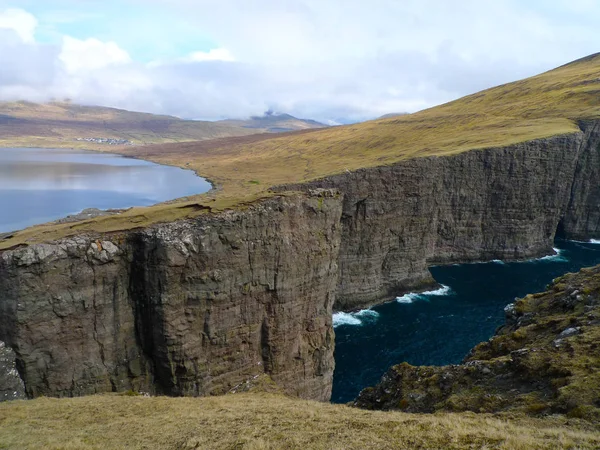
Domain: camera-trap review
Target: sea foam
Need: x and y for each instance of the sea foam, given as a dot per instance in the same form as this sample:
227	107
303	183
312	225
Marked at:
557	257
413	296
354	318
594	241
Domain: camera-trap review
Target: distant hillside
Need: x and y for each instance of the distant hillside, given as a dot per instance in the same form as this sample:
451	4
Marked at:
391	115
275	123
63	124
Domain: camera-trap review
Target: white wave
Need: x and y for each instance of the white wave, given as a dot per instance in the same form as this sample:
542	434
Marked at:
409	298
553	258
342	318
354	318
591	241
498	261
367	313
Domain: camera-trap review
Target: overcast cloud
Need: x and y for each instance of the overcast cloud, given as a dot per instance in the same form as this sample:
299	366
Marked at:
334	60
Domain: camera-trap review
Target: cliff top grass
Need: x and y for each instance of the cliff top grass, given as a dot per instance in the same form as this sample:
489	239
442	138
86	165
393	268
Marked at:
267	421
245	168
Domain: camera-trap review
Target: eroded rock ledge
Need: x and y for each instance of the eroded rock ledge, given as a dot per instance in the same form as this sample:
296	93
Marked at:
545	360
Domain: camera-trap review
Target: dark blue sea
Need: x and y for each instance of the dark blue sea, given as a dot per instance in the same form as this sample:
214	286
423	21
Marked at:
40	185
440	327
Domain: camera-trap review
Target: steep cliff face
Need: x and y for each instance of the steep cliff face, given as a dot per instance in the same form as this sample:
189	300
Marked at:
193	307
499	203
582	217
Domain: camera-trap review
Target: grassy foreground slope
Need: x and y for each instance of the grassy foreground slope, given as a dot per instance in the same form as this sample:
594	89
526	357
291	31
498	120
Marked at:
266	421
244	168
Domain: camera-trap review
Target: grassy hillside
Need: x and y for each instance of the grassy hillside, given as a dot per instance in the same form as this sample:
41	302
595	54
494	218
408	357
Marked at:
245	167
267	421
538	107
61	124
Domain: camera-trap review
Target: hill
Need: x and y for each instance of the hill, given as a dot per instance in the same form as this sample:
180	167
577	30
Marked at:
244	168
392	115
275	123
546	105
64	124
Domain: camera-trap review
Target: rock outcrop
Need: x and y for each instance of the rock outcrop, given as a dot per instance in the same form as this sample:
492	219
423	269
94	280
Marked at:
498	203
11	385
194	307
545	360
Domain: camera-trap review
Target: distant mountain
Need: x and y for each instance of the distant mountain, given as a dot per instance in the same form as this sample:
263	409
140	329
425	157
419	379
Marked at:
391	115
64	124
275	123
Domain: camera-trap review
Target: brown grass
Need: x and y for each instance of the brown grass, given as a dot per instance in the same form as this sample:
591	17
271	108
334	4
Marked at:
267	421
539	107
58	125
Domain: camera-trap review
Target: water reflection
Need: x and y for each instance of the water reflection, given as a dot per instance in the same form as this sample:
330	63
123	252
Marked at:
38	185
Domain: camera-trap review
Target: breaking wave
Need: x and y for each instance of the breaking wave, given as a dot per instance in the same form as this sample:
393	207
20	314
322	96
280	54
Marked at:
413	296
594	241
354	318
557	257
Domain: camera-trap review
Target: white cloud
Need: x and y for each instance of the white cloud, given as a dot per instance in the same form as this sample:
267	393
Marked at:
23	23
330	60
216	54
91	54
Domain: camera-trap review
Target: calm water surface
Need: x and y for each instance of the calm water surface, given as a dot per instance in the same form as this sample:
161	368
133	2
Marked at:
40	185
441	327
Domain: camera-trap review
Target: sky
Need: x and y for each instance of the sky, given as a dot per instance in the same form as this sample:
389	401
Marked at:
337	61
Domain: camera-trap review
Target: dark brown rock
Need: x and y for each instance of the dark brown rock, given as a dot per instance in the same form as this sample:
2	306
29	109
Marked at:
498	203
193	307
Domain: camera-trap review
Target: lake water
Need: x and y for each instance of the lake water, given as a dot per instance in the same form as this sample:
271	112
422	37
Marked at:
40	185
441	327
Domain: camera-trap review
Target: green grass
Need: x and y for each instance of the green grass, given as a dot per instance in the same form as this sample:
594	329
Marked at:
546	105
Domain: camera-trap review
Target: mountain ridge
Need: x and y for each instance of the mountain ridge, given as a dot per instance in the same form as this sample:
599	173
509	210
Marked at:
66	124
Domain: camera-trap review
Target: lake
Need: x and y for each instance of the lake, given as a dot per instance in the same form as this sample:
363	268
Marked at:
41	185
440	327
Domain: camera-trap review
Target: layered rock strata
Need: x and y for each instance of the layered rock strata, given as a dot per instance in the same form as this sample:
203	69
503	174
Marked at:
498	203
194	307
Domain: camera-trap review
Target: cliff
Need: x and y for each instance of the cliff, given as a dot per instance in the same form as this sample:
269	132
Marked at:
499	203
199	306
543	361
193	307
